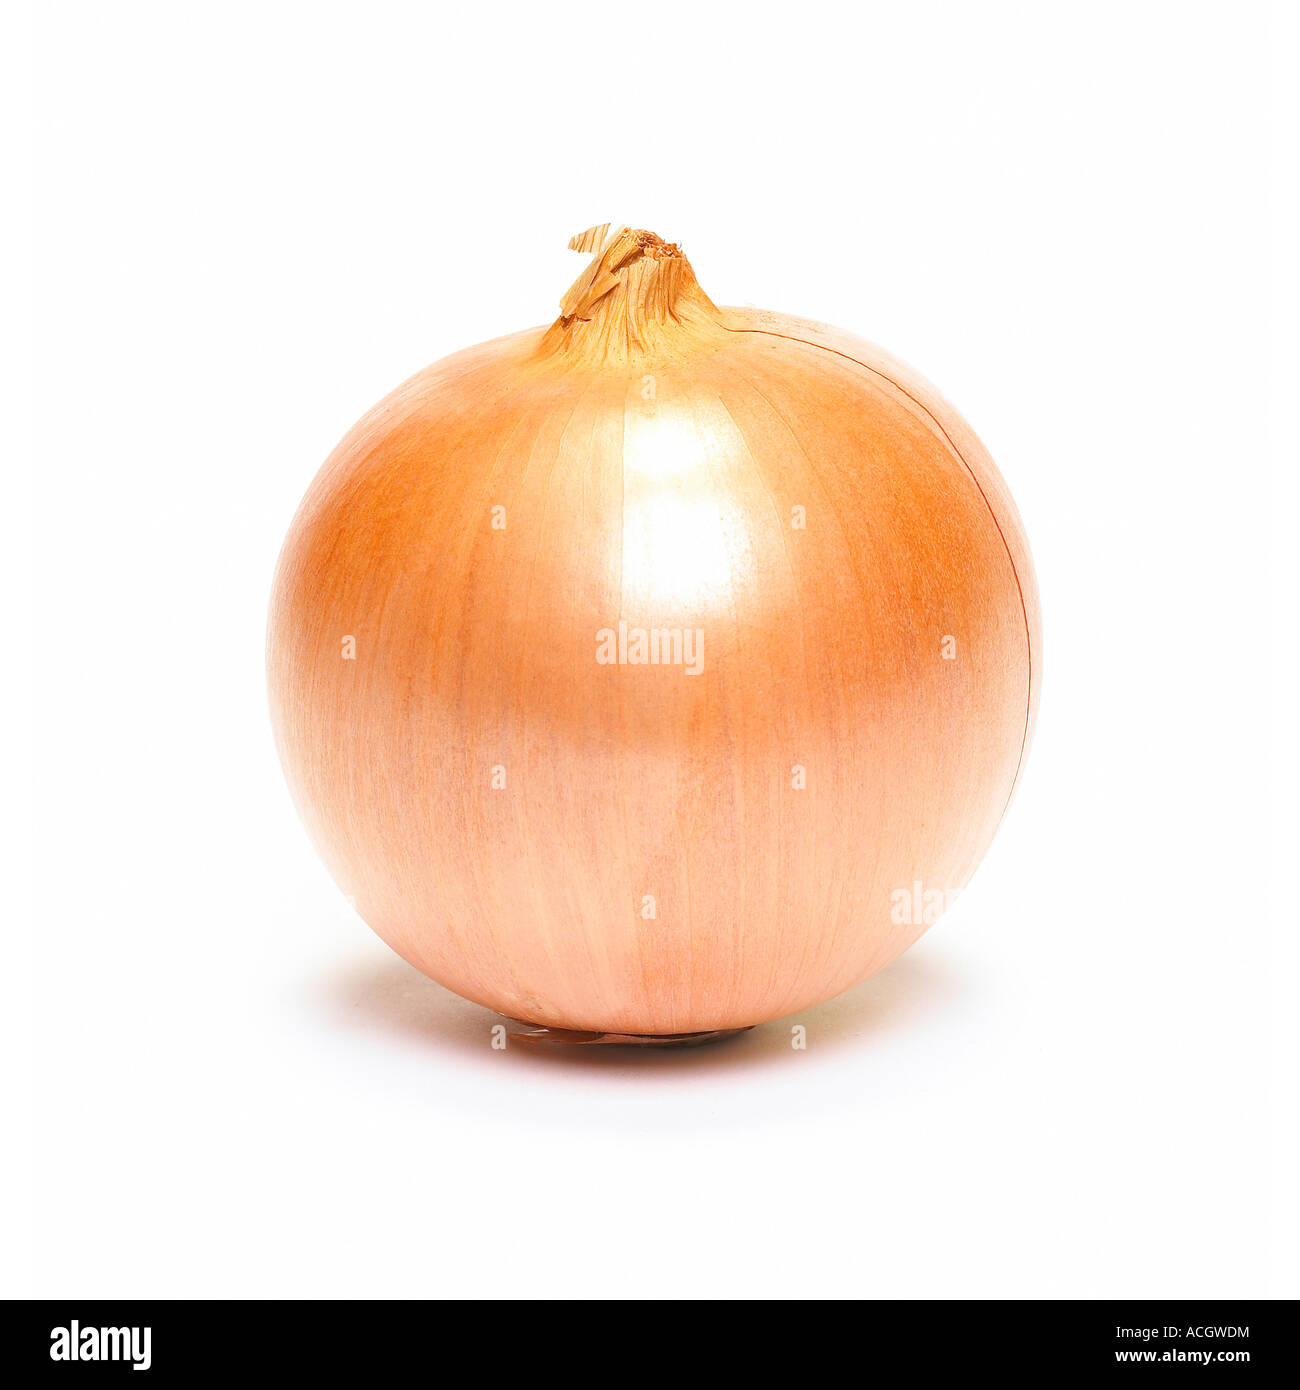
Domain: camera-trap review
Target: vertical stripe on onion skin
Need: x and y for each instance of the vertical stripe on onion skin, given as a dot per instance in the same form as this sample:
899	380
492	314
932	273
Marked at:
771	812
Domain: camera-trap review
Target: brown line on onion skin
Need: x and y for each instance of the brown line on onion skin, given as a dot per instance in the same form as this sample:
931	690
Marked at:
1031	689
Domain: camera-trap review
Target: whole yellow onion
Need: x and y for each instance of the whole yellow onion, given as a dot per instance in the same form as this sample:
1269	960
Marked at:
659	672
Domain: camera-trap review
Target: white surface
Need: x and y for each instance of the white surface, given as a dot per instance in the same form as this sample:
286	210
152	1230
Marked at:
253	221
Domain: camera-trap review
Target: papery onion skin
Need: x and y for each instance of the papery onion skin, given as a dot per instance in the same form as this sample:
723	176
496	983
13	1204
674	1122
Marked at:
505	809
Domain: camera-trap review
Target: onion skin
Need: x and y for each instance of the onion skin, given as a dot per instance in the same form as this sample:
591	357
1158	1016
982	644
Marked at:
650	458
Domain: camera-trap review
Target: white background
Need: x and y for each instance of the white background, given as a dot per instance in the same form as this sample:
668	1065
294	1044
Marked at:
252	221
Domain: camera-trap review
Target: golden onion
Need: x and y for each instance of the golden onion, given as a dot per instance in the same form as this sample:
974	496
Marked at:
660	672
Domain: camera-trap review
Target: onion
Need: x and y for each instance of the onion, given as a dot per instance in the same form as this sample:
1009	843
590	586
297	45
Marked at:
661	672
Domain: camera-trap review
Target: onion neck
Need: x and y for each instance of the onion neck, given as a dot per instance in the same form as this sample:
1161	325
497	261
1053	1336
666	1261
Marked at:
638	299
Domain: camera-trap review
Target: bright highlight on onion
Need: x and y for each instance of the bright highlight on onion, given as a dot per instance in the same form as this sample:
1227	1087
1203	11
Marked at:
660	672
